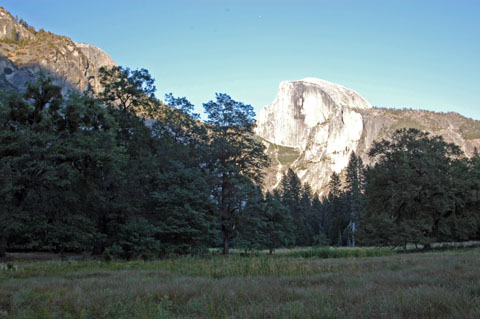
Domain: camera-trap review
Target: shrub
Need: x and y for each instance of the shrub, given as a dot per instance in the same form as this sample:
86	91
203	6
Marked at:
136	239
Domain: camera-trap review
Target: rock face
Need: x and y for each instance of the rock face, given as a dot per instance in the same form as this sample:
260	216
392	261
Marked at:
306	107
24	52
320	120
313	126
11	29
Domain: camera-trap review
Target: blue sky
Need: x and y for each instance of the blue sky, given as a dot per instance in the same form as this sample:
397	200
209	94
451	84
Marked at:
416	54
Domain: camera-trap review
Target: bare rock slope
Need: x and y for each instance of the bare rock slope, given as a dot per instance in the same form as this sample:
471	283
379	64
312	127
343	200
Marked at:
312	126
24	52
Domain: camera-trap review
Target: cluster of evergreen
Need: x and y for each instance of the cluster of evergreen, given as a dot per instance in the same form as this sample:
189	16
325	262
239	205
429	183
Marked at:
128	174
419	190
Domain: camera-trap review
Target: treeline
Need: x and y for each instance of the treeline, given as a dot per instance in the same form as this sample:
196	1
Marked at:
128	175
419	190
125	173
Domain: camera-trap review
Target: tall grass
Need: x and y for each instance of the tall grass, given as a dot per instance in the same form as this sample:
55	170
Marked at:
427	285
213	267
329	252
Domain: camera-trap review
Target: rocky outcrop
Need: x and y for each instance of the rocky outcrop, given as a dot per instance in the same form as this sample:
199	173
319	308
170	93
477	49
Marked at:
320	120
13	30
319	124
306	107
24	52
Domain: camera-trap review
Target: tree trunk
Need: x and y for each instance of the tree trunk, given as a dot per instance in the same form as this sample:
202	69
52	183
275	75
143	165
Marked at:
98	249
3	244
225	245
225	240
340	239
99	245
354	228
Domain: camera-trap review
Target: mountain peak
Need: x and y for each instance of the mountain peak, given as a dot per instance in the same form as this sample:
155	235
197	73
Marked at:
302	105
313	126
342	95
320	120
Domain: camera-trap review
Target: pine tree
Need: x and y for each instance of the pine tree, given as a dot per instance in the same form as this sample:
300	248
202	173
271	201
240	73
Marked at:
277	228
354	196
304	231
317	222
336	215
236	158
290	193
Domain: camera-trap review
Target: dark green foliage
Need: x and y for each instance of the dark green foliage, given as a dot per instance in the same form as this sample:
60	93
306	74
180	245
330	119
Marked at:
317	222
305	210
128	90
183	210
420	191
86	174
474	186
290	194
136	239
355	186
336	212
278	228
125	175
268	224
50	152
236	159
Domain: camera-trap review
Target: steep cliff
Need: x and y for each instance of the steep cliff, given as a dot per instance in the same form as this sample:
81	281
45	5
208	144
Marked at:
24	52
312	126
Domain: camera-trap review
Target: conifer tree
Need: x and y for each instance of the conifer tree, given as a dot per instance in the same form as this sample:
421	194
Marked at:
336	215
291	196
277	228
354	183
236	158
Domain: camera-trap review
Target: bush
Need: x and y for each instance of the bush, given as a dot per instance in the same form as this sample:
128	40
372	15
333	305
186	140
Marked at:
136	239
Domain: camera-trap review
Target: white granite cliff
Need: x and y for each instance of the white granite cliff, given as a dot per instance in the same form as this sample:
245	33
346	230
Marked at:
312	126
320	120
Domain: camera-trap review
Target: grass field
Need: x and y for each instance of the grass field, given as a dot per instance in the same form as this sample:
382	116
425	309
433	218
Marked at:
415	285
